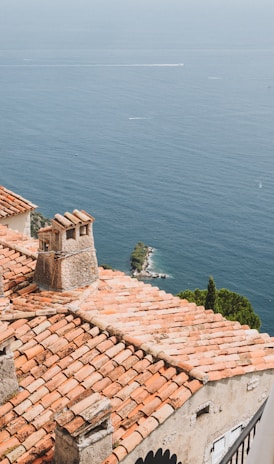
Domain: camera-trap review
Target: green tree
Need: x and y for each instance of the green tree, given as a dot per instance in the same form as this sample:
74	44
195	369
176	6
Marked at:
237	307
197	296
138	256
211	294
231	305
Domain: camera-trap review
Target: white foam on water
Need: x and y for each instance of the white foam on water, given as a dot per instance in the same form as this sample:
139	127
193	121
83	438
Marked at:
138	118
90	65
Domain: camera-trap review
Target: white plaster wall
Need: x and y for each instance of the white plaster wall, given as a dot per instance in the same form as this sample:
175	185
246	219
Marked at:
231	402
20	222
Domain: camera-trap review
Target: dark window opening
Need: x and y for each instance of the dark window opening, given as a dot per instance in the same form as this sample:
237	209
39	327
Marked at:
160	457
45	245
70	233
3	352
202	411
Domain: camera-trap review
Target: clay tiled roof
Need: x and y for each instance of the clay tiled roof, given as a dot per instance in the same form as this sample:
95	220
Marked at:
17	261
60	358
13	238
69	220
143	349
184	333
12	204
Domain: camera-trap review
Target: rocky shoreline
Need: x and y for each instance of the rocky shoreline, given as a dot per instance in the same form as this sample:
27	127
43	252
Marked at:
145	272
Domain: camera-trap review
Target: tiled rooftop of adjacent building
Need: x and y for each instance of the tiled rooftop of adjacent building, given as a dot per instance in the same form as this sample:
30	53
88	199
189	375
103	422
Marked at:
61	357
17	260
145	350
12	204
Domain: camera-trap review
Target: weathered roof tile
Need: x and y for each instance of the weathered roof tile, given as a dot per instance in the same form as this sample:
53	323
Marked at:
145	350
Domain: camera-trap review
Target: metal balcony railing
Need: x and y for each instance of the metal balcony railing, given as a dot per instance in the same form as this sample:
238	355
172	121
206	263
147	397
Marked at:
238	452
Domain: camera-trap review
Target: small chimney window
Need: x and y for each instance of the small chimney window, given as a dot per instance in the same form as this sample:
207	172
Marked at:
3	351
84	230
70	233
45	245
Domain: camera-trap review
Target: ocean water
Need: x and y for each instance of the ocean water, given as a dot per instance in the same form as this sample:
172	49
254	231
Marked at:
158	119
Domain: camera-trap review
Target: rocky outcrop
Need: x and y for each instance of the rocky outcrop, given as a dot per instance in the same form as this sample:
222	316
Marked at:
141	263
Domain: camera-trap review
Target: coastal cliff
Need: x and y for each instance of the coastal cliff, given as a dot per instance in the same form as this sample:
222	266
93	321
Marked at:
140	261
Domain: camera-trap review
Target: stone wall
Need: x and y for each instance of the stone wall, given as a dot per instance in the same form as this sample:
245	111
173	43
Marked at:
211	412
20	222
8	379
66	258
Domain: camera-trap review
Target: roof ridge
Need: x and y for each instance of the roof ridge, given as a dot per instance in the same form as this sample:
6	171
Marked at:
14	315
19	249
16	195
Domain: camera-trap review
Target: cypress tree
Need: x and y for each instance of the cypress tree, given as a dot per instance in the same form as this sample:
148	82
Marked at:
211	294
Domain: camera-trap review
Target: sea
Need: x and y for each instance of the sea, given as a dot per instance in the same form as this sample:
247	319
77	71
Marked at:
156	117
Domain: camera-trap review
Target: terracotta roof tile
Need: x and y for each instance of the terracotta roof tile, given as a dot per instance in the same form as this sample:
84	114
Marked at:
8	445
20	397
50	398
145	350
74	425
5	461
120	452
76	391
82	352
116	373
56	381
101	384
32	412
151	405
15	453
25	431
140	394
4	435
5	408
7	419
92	379
11	203
51	372
22	406
163	412
38	394
179	397
112	389
150	424
127	376
132	441
72	368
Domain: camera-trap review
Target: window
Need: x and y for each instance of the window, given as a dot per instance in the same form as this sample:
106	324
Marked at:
204	410
221	446
84	230
160	457
45	245
234	434
70	233
218	450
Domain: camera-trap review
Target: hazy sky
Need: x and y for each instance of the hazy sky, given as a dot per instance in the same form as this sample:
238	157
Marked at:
27	24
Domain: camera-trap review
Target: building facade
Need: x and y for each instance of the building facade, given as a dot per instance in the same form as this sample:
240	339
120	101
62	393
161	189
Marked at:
110	369
15	211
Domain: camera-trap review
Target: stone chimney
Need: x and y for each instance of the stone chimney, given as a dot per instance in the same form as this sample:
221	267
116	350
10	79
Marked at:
83	432
66	255
8	380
